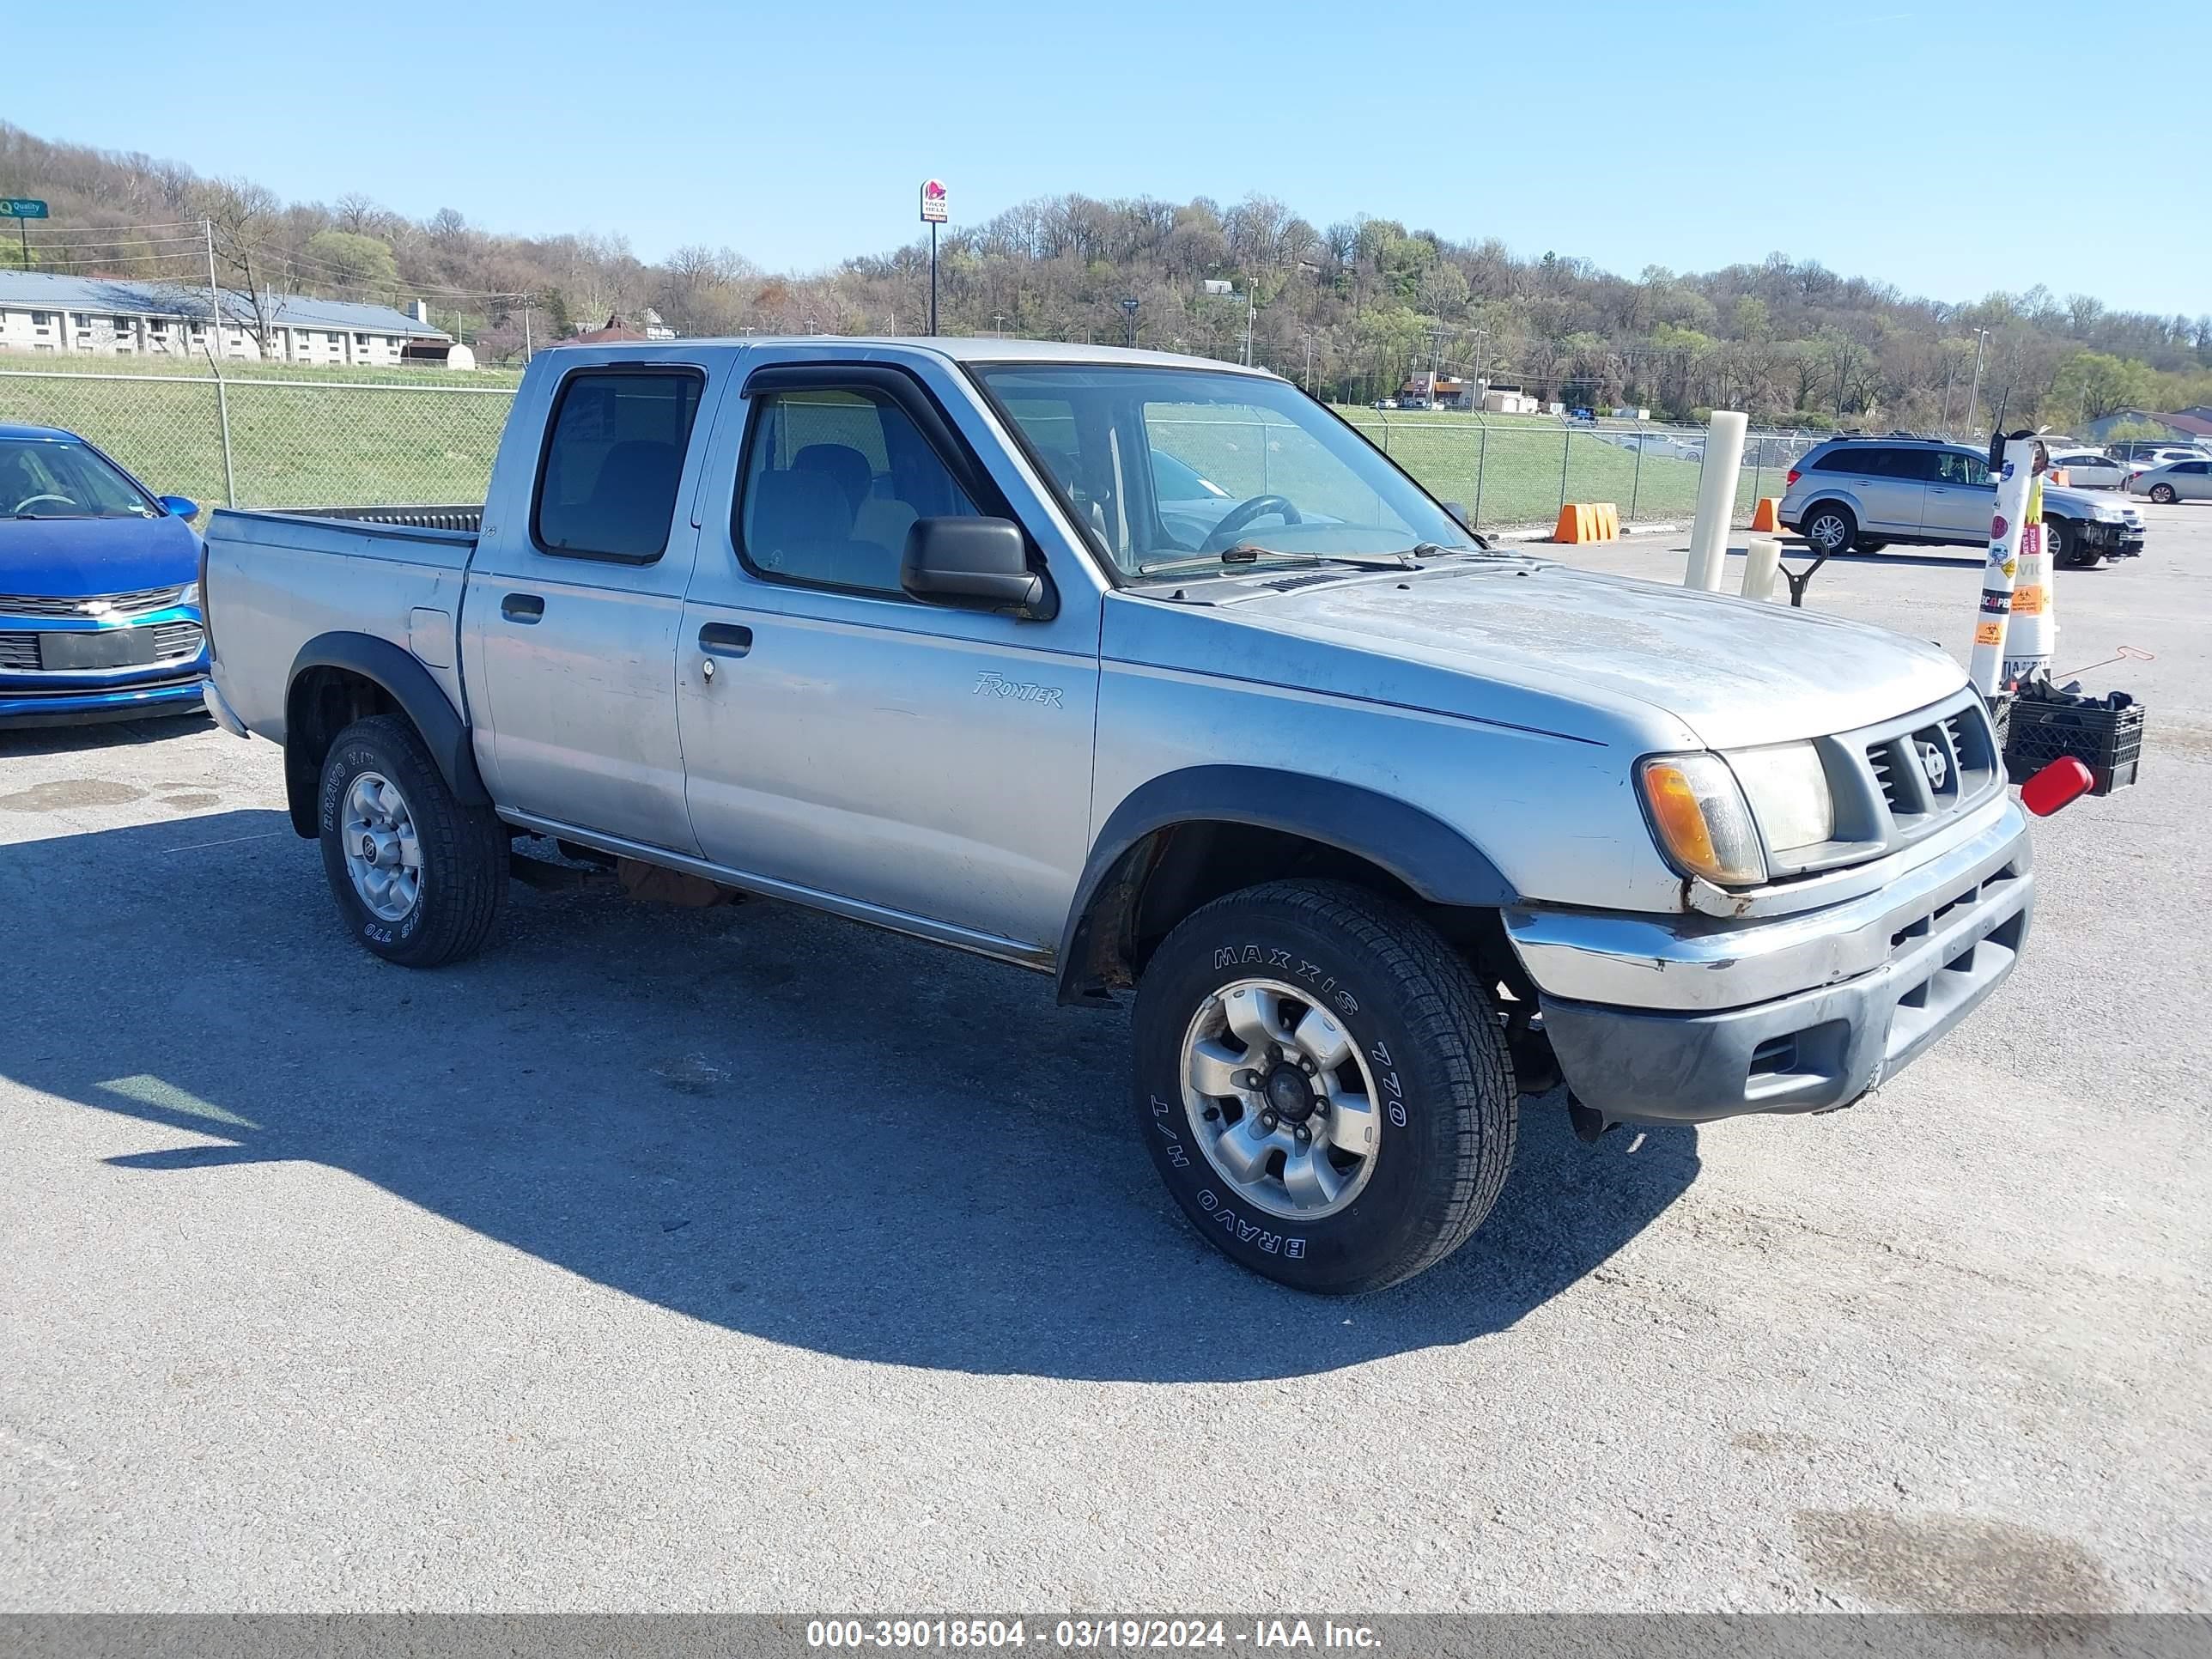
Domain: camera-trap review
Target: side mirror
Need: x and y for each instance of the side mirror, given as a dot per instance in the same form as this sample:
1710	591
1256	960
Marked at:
178	506
977	564
1458	510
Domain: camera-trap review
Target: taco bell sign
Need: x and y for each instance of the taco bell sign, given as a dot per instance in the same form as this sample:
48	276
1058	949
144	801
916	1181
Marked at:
934	208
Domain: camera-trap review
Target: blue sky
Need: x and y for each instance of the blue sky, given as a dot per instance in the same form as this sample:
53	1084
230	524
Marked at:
798	133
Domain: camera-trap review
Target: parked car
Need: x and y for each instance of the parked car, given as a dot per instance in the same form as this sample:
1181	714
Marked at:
2178	481
1380	826
99	600
2143	454
1863	494
2086	469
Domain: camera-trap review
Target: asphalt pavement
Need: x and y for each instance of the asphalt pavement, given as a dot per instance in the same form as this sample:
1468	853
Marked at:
745	1259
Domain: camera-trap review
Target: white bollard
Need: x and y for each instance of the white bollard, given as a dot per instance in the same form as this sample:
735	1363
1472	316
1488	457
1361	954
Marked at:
1716	486
1761	560
1986	668
2033	630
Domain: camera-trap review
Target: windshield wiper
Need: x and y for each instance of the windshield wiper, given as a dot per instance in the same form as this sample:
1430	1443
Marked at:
1252	553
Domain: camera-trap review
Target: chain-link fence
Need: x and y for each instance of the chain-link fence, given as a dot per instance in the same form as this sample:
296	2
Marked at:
279	441
266	441
1512	471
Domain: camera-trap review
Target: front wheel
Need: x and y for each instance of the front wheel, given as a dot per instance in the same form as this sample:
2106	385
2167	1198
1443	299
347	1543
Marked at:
418	877
1831	529
1324	1086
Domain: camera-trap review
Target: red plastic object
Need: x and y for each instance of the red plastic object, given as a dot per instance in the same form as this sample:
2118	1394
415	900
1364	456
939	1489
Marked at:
2064	779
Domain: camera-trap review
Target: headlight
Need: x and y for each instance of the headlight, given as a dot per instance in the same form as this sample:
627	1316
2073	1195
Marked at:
190	595
1700	820
1787	788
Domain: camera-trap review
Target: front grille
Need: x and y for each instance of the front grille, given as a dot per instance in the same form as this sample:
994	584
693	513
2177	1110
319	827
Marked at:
19	653
46	604
1897	782
1925	774
179	639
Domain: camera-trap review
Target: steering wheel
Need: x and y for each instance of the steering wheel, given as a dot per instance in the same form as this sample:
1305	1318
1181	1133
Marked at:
29	499
1231	525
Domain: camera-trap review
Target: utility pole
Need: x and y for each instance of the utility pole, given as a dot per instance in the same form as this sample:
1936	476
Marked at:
1974	392
525	331
1251	313
1309	365
222	391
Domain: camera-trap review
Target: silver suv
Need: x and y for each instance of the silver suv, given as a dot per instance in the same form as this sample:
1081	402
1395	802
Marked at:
1862	494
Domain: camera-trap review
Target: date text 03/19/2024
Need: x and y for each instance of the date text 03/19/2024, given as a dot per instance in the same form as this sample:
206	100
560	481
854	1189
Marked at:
1111	1634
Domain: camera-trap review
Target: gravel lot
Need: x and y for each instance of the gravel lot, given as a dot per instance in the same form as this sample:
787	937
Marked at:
745	1259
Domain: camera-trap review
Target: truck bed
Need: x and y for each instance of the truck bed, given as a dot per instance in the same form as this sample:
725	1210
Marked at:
283	578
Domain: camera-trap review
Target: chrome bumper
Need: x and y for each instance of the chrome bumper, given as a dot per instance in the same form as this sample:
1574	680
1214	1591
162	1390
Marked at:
1683	1023
1696	963
220	711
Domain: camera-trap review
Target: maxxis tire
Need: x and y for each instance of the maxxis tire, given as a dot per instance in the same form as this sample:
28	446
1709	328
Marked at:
1835	510
1448	1106
464	849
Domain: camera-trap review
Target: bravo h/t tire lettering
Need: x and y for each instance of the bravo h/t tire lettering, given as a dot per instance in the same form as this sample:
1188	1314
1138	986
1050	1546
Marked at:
1323	1085
417	877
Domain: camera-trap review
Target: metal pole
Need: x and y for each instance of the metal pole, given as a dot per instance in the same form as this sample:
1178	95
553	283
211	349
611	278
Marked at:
1481	465
23	234
933	277
1566	453
525	334
222	391
1981	339
1758	472
1636	483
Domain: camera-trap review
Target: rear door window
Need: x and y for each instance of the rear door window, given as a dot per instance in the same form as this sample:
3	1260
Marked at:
614	458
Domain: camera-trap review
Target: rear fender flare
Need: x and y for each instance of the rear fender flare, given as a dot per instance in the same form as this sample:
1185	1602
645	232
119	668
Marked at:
408	683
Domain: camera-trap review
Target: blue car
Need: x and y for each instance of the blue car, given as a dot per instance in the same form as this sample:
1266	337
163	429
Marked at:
99	593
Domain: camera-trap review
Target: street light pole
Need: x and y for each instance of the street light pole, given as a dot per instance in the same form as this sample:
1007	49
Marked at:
1129	321
1981	339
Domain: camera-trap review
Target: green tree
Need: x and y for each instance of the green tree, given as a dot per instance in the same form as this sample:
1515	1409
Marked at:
2099	383
354	264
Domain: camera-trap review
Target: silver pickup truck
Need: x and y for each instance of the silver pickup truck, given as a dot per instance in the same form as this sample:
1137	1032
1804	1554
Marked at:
1152	675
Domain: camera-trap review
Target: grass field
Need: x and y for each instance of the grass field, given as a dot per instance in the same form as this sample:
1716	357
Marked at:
1508	471
298	438
357	437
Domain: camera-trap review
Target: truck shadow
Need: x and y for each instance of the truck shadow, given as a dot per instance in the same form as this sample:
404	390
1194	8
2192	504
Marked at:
764	1119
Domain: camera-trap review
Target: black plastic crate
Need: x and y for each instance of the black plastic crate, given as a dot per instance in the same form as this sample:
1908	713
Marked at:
2038	729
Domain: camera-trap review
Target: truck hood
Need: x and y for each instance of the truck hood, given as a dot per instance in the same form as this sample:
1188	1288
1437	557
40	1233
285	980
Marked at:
1607	659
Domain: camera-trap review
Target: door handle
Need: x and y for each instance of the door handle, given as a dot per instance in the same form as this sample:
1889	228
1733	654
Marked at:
522	607
726	638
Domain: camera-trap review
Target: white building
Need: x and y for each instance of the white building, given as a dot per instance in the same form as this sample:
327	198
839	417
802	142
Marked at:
113	316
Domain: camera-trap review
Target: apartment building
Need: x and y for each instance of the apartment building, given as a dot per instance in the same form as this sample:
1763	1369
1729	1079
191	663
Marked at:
103	316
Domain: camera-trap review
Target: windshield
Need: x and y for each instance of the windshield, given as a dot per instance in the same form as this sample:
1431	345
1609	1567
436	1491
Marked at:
42	479
1170	468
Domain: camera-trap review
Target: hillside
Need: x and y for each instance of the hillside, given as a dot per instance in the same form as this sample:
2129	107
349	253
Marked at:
1347	309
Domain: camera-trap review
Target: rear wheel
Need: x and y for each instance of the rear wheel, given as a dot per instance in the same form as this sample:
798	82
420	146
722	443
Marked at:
2163	494
1324	1087
1829	528
418	877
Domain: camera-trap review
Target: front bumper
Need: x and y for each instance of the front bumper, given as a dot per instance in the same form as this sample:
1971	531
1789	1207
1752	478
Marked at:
1801	1013
177	695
